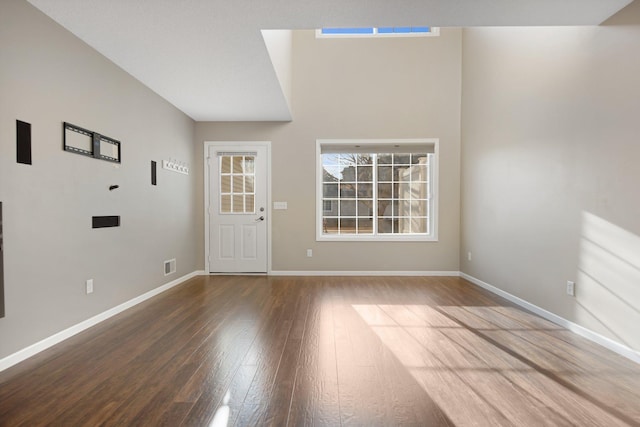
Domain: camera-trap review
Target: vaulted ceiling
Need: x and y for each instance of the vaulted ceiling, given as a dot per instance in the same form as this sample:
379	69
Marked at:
209	58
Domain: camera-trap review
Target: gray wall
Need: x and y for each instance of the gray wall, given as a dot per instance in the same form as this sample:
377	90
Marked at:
359	88
550	170
48	76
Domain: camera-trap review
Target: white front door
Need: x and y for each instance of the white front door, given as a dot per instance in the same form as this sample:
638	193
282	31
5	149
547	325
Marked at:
237	208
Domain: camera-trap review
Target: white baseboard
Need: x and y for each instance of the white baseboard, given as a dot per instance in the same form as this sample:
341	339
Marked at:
363	273
608	343
36	348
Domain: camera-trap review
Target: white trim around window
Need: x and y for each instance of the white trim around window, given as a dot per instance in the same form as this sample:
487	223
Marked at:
375	148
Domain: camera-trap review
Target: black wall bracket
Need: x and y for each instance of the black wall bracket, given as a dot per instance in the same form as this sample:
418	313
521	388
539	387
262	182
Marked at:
88	143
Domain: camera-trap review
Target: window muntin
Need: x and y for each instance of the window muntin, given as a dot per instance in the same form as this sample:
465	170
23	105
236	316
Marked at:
237	184
385	193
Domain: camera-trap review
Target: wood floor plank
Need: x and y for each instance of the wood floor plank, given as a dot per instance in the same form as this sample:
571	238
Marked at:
315	398
267	351
237	391
284	382
217	372
323	351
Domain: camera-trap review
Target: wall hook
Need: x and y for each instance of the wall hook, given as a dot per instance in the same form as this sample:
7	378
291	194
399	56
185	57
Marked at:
113	187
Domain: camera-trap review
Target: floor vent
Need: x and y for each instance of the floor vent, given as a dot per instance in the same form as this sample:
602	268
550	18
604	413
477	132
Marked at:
169	267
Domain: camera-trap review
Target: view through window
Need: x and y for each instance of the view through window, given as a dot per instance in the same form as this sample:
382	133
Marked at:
377	193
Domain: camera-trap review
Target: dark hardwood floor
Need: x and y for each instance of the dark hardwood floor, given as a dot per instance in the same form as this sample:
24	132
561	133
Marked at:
383	351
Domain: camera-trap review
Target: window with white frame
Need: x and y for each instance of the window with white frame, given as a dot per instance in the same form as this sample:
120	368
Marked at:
377	189
403	31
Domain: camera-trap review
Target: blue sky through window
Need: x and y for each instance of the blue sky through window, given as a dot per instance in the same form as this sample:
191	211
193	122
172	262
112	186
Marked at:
361	30
374	30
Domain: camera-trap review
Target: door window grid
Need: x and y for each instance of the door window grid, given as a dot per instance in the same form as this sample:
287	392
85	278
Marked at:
237	184
397	184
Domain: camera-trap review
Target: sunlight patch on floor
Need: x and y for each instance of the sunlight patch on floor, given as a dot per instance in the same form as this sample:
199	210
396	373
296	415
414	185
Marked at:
456	355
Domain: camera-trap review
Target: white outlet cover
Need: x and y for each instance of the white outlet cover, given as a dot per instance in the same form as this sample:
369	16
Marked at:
571	288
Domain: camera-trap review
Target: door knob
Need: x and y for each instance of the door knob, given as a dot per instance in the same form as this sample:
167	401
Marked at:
260	219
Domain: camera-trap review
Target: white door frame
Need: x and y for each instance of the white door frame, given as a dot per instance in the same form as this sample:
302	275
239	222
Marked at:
207	194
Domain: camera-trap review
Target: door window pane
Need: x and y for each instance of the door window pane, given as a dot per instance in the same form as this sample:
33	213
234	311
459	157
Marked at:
225	164
238	203
225	203
248	184
237	184
249	203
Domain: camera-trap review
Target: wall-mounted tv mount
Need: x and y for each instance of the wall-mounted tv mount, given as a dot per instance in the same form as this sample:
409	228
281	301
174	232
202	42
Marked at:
88	143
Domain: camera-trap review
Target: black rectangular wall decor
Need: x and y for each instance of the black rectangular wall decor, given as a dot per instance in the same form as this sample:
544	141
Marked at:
154	167
105	221
88	143
23	142
1	267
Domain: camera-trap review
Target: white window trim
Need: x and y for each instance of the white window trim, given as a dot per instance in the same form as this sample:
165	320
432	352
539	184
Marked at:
435	32
433	201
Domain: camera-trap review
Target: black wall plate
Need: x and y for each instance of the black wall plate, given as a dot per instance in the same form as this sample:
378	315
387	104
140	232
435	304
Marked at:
23	142
105	221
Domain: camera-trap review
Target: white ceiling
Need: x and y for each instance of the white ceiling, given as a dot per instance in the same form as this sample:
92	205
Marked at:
208	57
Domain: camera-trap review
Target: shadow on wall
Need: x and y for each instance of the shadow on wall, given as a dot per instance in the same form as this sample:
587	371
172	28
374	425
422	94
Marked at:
629	15
608	281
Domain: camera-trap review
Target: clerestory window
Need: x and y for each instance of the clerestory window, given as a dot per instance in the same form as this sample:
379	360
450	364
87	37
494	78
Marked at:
404	31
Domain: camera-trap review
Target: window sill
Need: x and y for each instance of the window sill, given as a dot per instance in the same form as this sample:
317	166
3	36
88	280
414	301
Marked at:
362	238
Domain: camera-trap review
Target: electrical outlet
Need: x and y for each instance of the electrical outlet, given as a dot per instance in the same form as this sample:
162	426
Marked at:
89	286
469	256
309	253
571	288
